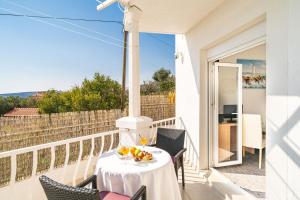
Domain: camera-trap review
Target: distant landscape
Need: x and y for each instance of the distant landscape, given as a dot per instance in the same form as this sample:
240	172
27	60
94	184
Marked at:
99	93
19	94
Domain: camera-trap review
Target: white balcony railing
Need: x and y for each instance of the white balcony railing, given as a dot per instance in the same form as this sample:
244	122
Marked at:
28	187
70	171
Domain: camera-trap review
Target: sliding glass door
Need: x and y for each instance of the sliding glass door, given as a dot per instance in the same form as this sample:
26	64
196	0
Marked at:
227	114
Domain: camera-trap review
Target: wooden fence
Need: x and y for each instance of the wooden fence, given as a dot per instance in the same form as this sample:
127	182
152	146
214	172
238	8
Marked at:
157	107
20	132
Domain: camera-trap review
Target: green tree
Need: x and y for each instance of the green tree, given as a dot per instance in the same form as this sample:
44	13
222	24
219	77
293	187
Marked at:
11	102
84	101
167	85
100	93
161	75
52	102
14	101
29	102
5	106
163	82
108	90
150	87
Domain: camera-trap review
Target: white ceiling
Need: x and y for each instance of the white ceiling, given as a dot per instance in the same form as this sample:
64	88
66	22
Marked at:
173	16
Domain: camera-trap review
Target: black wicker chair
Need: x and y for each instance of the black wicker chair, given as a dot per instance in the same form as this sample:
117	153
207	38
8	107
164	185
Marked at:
172	141
58	191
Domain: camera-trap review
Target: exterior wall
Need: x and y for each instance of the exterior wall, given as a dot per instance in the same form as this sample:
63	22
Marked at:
229	19
188	92
283	91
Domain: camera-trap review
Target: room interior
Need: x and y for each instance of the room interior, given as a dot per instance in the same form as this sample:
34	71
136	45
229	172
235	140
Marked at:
250	175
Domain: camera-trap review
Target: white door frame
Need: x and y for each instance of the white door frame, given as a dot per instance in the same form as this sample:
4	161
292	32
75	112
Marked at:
210	60
245	40
216	118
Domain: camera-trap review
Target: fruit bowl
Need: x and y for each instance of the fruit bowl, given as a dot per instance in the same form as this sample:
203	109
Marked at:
136	154
139	155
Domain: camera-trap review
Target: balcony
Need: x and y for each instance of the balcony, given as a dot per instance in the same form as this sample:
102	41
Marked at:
59	160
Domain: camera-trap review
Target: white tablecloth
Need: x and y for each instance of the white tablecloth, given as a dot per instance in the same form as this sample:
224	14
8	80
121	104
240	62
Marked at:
126	176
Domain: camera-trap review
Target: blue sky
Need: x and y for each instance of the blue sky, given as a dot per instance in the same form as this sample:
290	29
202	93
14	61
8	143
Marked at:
41	54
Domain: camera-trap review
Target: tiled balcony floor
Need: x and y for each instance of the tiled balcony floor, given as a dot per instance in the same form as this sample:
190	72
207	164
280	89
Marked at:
209	186
248	176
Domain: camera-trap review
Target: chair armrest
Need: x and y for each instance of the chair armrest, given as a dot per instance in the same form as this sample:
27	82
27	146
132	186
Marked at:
140	194
91	179
179	154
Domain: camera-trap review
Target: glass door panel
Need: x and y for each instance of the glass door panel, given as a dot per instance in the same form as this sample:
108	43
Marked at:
228	109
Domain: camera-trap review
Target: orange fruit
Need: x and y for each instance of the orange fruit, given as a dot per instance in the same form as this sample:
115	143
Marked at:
132	150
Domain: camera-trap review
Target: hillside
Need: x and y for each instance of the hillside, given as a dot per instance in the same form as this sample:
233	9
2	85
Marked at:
19	94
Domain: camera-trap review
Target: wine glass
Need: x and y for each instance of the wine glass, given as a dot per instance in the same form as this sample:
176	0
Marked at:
126	151
123	151
143	140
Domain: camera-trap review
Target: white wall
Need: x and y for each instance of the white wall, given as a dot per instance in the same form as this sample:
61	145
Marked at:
283	100
254	100
229	19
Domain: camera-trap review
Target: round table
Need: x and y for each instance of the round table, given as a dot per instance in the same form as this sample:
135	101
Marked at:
124	176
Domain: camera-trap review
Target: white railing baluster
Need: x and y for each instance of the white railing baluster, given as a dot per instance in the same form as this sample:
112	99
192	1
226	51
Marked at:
153	135
193	159
188	150
80	150
78	162
13	168
90	158
52	157
197	165
34	161
67	154
111	141
186	146
66	161
190	153
102	145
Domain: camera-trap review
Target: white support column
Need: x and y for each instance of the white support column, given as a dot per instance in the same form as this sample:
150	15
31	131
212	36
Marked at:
135	124
132	16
